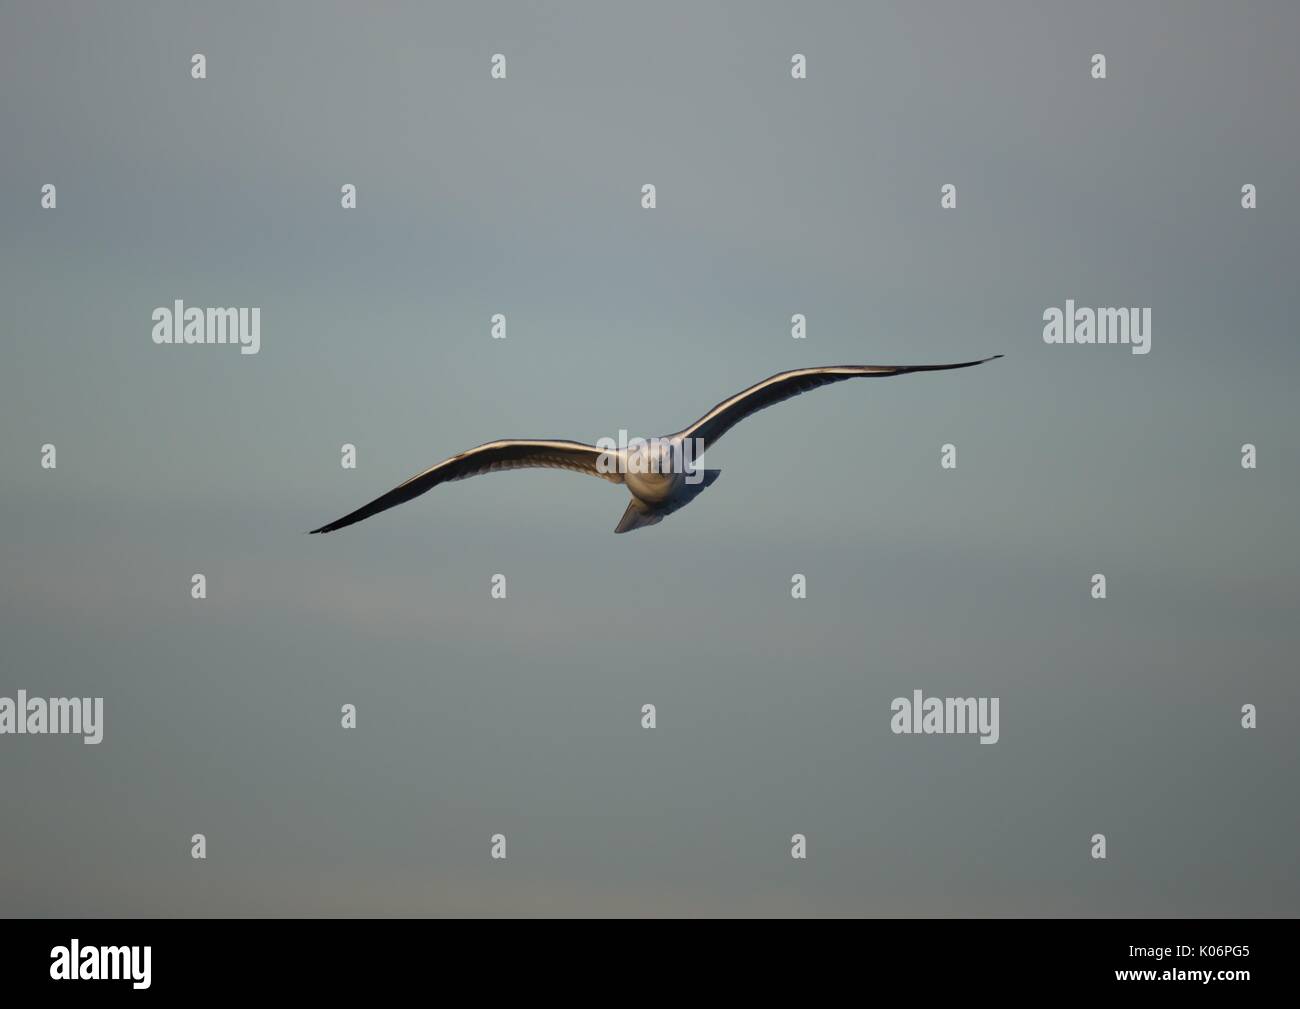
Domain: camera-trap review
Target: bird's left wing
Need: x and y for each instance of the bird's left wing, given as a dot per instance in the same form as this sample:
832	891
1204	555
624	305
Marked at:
489	458
730	412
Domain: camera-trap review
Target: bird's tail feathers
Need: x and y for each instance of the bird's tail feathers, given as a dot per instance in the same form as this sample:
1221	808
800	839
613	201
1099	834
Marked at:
640	514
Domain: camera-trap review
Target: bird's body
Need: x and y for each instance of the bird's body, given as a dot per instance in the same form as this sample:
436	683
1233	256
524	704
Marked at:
660	474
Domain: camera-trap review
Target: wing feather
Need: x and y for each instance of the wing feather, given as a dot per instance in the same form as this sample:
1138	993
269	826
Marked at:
788	384
493	457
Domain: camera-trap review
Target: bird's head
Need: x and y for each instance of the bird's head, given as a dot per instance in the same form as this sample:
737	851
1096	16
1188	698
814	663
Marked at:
655	468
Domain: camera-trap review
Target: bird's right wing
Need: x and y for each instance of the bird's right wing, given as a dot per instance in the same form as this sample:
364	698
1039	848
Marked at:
787	384
489	458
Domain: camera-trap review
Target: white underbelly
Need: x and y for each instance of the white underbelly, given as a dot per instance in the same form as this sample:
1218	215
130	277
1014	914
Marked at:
653	488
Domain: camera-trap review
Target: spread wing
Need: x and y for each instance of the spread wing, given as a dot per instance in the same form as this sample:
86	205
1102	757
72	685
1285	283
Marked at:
489	458
788	384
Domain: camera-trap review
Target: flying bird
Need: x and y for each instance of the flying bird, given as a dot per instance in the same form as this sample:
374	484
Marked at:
659	474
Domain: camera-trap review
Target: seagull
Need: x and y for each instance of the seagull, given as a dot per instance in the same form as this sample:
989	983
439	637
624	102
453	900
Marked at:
658	480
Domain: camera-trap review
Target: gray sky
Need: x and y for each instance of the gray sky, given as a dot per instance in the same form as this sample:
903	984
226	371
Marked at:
522	716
